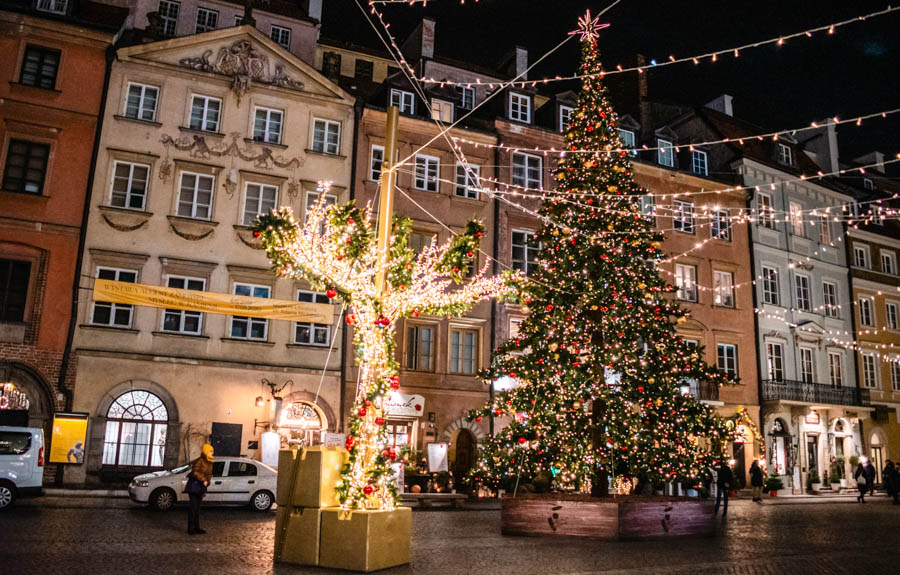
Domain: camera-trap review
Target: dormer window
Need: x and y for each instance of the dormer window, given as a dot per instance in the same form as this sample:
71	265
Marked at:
53	6
441	110
565	117
627	137
785	155
868	184
699	163
404	101
520	108
665	154
466	97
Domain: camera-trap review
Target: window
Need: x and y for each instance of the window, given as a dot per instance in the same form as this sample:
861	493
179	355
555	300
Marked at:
824	230
807	373
785	155
141	102
686	282
861	256
467	181
699	163
829	290
398	433
627	138
180	321
281	36
770	285
775	361
888	263
565	117
168	12
205	113
326	136
801	283
313	197
683	217
463	350
238	20
728	361
113	314
427	172
766	211
14	278
524	251
26	167
252	328
868	184
420	348
135	431
206	20
723	285
259	200
721	226
129	185
836	369
241	469
14	442
866	317
527	171
665	155
54	6
312	333
376	159
363	69
419	241
195	196
891	316
520	108
267	125
441	110
648	209
797	228
870	371
895	373
39	67
466	97
404	101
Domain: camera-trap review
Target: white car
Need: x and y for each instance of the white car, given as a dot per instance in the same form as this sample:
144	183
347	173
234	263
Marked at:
21	463
234	480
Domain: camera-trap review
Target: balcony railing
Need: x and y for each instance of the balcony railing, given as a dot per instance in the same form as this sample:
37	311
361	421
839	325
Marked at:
703	390
792	390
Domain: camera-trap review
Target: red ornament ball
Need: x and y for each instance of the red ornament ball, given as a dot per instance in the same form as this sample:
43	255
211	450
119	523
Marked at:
348	443
379	421
361	412
368	490
350	319
256	234
522	440
478	418
331	293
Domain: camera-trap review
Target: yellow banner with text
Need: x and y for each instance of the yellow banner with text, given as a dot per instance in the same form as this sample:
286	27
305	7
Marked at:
192	300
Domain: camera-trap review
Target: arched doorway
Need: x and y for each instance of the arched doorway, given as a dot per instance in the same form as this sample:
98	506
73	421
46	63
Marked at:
24	397
779	456
301	422
464	456
876	451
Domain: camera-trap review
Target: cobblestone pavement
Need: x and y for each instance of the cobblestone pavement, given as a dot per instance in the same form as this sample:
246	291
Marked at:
86	537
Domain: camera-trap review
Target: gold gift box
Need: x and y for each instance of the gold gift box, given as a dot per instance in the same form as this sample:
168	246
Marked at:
365	540
314	474
297	535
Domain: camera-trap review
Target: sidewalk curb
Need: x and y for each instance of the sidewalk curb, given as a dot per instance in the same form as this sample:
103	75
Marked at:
57	492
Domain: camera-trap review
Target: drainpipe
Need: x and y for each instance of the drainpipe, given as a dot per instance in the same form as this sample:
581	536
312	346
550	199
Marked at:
495	269
847	255
759	378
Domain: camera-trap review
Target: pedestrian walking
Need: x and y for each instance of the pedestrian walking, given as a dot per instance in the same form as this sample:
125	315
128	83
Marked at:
197	483
756	480
890	478
870	476
861	482
724	481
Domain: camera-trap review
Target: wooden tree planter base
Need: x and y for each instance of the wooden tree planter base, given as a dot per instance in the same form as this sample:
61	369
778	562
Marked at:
608	518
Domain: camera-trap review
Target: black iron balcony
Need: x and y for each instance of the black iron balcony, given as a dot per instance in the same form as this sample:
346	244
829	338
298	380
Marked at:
703	390
791	390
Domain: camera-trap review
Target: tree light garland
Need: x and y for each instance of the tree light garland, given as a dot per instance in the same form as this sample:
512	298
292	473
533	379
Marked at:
336	250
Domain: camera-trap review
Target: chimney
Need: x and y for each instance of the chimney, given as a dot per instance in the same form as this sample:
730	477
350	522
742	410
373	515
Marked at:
824	146
874	157
315	9
331	66
420	44
722	104
515	62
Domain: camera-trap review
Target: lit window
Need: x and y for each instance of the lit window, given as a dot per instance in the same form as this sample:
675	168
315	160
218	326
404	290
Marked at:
195	196
797	228
665	153
281	36
441	110
326	136
39	67
404	101
686	282
727	360
683	217
259	200
427	173
252	328
520	108
141	102
770	285
724	288
205	113
526	171
420	348
699	163
467	181
136	426
312	333
524	251
565	117
129	185
206	20
267	125
181	321
168	12
113	314
463	351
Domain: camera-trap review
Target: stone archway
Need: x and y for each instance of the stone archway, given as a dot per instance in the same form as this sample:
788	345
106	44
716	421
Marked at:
331	421
38	393
463	423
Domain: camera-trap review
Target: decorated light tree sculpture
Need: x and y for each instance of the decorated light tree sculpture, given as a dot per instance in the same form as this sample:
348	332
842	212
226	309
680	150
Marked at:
336	250
600	367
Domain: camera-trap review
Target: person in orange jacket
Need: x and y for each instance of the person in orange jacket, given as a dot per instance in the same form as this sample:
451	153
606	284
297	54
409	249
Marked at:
198	481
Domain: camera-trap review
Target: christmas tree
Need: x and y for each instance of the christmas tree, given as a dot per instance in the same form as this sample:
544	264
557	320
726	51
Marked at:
336	251
599	365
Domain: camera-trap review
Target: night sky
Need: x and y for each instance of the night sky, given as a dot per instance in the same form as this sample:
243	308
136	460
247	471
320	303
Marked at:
856	71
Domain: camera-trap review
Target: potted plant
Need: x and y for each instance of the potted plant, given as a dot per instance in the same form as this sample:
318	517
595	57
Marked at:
814	482
773	485
835	479
839	464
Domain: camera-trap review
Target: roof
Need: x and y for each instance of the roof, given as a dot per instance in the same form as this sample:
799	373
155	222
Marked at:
94	15
295	9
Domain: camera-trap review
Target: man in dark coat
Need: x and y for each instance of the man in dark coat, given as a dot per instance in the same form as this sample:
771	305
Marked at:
870	476
724	481
756	480
891	480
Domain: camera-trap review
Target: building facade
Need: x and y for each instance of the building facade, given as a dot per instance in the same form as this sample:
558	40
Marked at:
50	100
201	134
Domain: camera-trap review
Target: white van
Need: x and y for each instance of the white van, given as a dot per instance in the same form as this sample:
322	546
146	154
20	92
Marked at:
21	463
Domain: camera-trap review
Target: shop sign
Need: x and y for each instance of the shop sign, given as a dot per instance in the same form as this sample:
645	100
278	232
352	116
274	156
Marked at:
334	439
301	415
812	418
67	441
13	398
400	404
438	457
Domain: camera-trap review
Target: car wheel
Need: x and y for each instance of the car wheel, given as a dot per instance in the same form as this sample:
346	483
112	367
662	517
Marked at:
7	494
162	499
261	501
